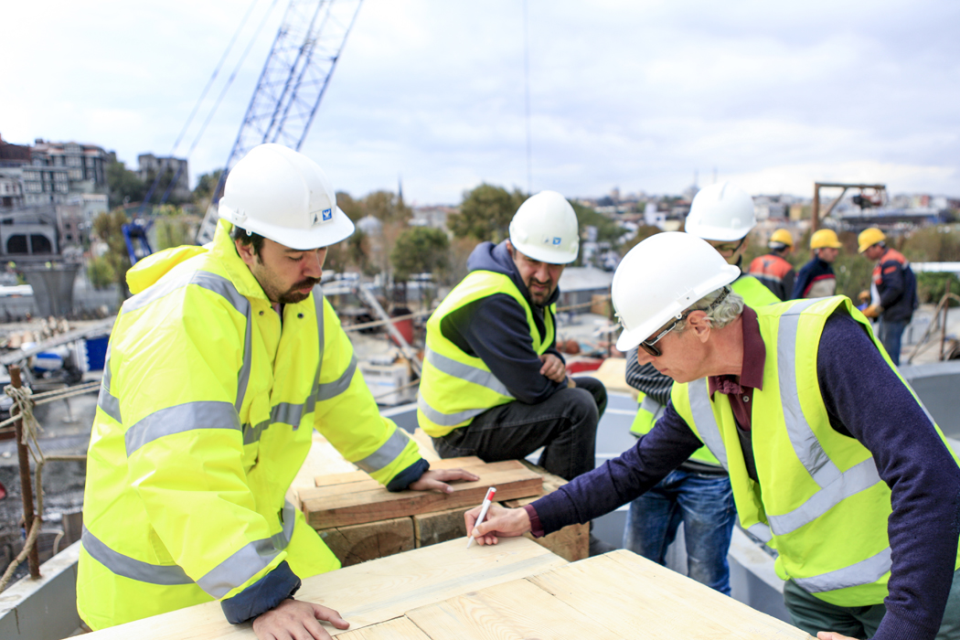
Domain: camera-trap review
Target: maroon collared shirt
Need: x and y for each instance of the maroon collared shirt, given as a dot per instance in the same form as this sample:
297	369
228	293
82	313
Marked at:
740	388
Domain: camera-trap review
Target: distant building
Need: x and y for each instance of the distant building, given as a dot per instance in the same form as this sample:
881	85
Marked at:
56	169
579	286
13	155
435	217
150	166
11	188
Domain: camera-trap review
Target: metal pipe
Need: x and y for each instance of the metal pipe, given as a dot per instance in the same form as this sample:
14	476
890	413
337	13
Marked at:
26	486
943	326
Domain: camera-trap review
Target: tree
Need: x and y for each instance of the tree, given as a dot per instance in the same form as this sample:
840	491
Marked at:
420	250
123	185
173	228
108	227
352	208
387	207
485	213
206	184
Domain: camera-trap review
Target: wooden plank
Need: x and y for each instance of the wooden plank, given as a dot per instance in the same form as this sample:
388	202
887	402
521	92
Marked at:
324	511
396	629
470	463
369	593
572	542
434	528
632	591
510	611
361	542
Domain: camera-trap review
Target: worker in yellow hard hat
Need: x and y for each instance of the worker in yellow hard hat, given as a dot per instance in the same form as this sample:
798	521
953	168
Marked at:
773	269
816	278
896	287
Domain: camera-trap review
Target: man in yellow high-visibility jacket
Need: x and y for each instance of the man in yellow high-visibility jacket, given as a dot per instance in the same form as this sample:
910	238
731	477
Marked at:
832	457
218	370
494	384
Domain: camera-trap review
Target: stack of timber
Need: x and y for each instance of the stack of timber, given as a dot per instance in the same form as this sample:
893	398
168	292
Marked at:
515	589
360	520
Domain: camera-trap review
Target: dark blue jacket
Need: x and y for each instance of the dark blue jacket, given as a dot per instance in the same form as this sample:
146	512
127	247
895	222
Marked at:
495	330
897	286
814	270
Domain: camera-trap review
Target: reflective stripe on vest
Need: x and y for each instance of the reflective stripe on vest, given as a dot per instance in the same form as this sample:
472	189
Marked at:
835	485
463	371
228	575
443	419
865	571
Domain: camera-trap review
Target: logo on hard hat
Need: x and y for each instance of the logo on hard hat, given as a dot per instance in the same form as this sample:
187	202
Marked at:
556	241
327	214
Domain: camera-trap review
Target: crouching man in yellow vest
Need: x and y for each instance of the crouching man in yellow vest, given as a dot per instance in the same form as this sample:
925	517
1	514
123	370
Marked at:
494	385
218	370
830	453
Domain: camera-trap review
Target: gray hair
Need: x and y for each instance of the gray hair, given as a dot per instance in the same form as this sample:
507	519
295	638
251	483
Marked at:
722	305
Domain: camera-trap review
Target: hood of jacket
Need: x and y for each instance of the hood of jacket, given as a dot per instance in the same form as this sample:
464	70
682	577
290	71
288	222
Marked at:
495	257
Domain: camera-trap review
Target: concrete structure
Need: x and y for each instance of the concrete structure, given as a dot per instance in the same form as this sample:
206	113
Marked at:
150	166
578	286
435	217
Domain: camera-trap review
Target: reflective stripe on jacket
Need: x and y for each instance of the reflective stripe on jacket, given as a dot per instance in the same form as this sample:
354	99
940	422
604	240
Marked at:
813	481
205	416
455	387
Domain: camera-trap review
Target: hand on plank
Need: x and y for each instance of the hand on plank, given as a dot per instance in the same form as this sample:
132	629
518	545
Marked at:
436	480
294	618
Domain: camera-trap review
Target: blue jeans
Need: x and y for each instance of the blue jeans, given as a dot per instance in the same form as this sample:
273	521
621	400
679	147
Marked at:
889	333
704	503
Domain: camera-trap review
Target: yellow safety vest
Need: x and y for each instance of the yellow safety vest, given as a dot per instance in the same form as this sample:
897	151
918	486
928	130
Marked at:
819	494
455	387
755	294
204	419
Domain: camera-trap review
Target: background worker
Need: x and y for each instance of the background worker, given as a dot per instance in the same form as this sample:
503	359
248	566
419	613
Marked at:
698	492
218	370
816	278
494	384
773	269
896	286
827	447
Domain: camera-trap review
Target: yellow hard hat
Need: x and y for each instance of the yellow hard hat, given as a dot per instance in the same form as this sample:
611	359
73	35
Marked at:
869	237
783	237
825	238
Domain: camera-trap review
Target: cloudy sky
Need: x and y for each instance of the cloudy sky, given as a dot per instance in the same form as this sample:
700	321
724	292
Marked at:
637	94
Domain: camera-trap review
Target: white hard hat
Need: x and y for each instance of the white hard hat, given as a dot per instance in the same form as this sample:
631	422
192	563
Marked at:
721	212
285	196
545	229
661	277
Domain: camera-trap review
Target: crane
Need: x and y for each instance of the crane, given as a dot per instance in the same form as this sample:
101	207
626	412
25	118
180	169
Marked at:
294	78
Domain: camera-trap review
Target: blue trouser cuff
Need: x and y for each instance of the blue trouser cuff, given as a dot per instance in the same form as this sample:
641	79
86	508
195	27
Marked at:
409	475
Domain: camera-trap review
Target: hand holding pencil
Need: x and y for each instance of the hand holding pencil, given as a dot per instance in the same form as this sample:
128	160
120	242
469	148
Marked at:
499	522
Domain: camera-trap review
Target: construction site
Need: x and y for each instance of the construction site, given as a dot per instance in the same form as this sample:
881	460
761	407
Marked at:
332	394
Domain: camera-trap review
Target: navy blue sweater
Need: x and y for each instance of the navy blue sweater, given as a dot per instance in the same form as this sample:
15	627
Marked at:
865	400
814	270
495	330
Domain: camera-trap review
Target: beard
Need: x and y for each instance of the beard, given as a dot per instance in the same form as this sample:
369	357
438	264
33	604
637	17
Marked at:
293	295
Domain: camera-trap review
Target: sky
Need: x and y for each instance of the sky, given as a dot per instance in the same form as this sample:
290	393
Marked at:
641	95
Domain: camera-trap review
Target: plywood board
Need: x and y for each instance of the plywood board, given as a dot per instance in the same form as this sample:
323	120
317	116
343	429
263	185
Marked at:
327	507
367	594
515	610
396	629
636	595
361	542
613	374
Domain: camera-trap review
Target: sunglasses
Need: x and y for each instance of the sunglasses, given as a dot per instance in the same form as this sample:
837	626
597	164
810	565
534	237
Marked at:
650	345
729	247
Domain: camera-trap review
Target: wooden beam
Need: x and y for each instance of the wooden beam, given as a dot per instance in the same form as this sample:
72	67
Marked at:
361	542
327	507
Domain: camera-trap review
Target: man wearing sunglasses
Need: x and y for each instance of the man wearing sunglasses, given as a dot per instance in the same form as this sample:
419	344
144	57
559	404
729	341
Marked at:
494	384
698	493
829	451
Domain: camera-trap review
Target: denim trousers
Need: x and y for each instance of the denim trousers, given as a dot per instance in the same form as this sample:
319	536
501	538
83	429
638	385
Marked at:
565	425
811	614
889	333
704	504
